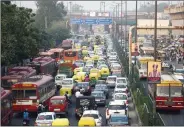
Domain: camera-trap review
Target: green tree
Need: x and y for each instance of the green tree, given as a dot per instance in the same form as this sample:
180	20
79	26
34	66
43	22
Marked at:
49	11
20	39
59	31
77	8
151	7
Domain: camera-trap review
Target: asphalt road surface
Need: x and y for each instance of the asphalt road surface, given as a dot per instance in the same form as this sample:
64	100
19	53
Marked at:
17	119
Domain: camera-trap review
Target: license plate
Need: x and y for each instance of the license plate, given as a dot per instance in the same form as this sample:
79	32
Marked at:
43	124
56	109
97	100
24	122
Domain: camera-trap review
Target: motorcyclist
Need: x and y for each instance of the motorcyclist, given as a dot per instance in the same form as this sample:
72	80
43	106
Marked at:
77	93
26	116
40	108
67	97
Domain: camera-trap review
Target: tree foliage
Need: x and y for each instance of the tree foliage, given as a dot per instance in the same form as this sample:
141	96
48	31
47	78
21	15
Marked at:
77	8
20	39
49	10
151	7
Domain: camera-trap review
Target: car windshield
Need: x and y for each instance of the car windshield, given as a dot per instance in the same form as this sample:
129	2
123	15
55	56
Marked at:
179	71
120	91
116	67
96	94
120	86
67	82
119	119
121	80
56	102
60	77
113	53
111	79
95	116
117	107
82	84
162	91
100	87
44	117
176	91
120	97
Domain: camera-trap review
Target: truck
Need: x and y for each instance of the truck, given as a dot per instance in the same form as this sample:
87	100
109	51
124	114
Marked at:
67	69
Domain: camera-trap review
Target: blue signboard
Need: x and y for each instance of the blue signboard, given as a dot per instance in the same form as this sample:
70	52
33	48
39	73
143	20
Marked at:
104	21
76	21
91	21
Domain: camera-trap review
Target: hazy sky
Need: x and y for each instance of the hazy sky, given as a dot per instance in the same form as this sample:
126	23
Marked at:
88	5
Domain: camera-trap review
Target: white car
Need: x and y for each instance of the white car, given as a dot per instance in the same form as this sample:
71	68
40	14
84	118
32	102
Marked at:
113	54
59	78
121	97
121	87
111	81
45	119
122	80
116	107
68	83
95	114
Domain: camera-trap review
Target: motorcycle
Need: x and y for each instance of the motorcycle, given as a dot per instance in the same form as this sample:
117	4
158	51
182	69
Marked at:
25	122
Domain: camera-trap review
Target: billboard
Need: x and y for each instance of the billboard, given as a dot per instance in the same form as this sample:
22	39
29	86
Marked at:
154	72
92	14
103	14
135	49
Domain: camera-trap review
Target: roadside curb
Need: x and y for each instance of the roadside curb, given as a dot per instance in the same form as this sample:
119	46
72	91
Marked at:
139	120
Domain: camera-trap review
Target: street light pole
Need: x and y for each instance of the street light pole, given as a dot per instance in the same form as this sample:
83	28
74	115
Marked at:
121	23
155	58
136	29
126	26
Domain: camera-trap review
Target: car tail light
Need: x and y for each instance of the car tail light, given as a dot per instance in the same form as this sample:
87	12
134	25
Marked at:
76	110
107	111
35	124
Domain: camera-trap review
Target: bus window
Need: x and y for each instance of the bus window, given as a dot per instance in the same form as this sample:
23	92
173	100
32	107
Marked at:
24	93
162	90
70	54
176	91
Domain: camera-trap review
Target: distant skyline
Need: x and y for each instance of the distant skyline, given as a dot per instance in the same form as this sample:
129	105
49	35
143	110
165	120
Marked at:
90	5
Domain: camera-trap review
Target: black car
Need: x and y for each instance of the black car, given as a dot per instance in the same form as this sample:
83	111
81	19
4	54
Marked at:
84	87
102	87
100	97
84	103
100	82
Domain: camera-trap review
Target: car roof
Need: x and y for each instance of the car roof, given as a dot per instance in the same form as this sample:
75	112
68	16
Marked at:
91	112
120	93
100	85
116	103
68	79
121	78
47	113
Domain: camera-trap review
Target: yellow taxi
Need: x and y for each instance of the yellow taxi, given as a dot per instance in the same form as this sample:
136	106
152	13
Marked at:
86	121
61	122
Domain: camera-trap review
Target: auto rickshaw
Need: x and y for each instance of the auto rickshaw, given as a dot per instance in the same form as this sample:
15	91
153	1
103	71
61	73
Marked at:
80	76
76	70
84	103
59	105
94	76
61	122
95	58
104	73
84	52
86	121
64	90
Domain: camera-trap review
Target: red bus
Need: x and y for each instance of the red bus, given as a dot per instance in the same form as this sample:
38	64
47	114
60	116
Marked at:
37	89
58	53
15	75
72	55
6	107
44	65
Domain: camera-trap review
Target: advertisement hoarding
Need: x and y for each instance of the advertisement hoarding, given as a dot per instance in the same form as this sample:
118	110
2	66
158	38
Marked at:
135	49
154	72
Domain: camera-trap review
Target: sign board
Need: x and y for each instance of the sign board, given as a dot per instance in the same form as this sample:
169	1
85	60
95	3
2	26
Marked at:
154	72
91	21
76	21
103	14
92	14
135	49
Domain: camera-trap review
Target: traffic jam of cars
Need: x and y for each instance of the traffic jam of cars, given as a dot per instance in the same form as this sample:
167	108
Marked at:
86	73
